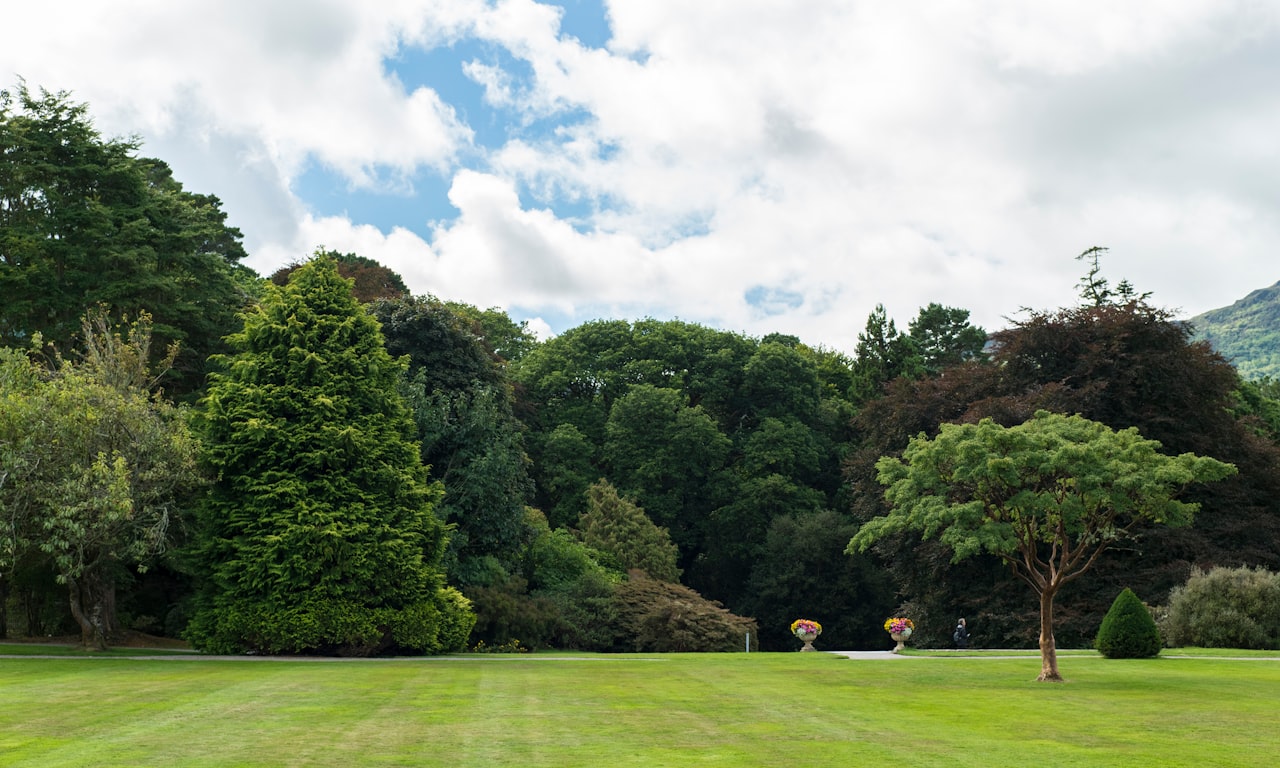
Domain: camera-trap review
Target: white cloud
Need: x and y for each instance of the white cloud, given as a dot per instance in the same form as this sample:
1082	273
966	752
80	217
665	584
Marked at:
760	165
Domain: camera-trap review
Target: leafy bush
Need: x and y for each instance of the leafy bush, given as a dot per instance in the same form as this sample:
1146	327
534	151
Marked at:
589	615
334	627
555	560
506	611
1128	631
441	625
663	617
1225	608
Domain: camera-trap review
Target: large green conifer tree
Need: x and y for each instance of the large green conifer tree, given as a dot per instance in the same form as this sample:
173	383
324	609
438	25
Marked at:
319	535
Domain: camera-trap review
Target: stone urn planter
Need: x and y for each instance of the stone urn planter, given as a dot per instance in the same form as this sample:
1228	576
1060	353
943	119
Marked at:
807	630
899	629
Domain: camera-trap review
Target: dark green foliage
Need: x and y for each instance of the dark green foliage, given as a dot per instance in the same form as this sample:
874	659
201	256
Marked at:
1225	608
84	222
779	381
939	338
667	455
617	527
882	355
801	571
471	441
1128	631
319	535
715	435
562	597
661	617
444	346
942	337
1247	333
506	612
567	469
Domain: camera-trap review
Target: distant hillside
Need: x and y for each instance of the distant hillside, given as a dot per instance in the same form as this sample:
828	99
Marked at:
1247	333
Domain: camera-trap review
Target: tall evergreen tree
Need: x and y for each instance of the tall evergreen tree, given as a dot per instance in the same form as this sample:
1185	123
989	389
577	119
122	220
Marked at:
882	355
319	534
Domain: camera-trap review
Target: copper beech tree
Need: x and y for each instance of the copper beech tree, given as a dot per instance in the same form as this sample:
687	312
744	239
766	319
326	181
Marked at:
1047	497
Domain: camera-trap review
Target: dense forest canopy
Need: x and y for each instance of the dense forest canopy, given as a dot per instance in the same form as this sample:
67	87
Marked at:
626	485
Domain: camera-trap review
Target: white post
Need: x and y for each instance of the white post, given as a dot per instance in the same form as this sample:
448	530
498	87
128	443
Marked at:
748	642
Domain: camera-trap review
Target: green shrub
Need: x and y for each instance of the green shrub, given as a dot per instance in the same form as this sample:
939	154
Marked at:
1128	631
1225	608
589	615
505	611
455	620
335	627
661	617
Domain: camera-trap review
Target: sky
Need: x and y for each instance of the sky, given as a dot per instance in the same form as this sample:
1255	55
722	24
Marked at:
757	166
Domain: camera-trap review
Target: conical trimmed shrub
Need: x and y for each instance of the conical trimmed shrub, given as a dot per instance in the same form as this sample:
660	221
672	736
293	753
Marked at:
1128	631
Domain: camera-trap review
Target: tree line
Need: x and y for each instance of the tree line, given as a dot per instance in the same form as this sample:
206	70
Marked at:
336	465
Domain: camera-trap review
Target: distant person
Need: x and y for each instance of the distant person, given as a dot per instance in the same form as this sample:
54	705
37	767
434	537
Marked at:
961	635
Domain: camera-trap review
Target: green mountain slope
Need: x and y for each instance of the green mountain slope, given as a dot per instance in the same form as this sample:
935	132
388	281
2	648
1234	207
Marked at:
1247	333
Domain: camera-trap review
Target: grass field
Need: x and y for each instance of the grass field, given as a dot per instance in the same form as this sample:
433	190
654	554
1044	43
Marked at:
759	709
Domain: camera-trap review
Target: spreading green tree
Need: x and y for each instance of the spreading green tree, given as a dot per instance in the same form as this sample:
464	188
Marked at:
1046	497
319	533
98	469
84	222
616	526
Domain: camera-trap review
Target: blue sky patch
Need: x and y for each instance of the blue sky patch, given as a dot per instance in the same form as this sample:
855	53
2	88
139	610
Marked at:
586	20
441	70
768	301
423	198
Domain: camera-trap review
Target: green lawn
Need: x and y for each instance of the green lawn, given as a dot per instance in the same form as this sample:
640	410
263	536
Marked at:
760	709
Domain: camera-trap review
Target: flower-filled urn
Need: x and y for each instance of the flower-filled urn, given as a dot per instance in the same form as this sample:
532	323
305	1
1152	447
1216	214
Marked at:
899	629
808	631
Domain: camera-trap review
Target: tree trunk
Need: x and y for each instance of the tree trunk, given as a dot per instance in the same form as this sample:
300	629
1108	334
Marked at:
85	596
1048	646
